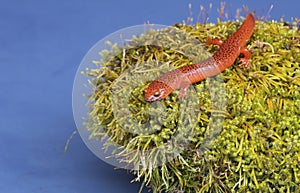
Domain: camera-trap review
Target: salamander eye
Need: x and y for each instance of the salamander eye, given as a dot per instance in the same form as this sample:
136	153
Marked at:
156	94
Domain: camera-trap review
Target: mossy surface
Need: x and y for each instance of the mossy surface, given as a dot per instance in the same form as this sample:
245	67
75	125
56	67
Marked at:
258	148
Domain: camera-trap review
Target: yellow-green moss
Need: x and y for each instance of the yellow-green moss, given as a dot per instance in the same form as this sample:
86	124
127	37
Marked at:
258	149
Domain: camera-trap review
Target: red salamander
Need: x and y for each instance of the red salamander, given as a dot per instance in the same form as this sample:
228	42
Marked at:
182	77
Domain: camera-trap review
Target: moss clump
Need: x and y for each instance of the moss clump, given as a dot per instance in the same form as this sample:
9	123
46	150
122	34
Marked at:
258	148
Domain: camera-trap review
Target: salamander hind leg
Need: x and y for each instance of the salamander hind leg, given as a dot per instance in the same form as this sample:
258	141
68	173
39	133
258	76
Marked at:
245	60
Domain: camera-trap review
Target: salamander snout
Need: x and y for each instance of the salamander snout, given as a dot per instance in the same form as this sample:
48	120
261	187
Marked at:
156	91
153	95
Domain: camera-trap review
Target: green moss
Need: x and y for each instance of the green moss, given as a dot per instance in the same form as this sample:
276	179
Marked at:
258	148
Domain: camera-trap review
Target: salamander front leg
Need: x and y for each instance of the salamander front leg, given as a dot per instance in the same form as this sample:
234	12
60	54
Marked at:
245	60
183	91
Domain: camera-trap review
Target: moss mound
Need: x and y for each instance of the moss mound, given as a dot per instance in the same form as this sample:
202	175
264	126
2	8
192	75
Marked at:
258	146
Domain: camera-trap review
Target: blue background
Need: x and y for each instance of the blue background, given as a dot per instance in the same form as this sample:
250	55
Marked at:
41	46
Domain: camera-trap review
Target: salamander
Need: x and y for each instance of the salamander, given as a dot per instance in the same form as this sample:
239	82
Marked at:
183	77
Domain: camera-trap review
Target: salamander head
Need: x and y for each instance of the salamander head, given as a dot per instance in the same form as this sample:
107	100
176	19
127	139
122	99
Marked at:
157	90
